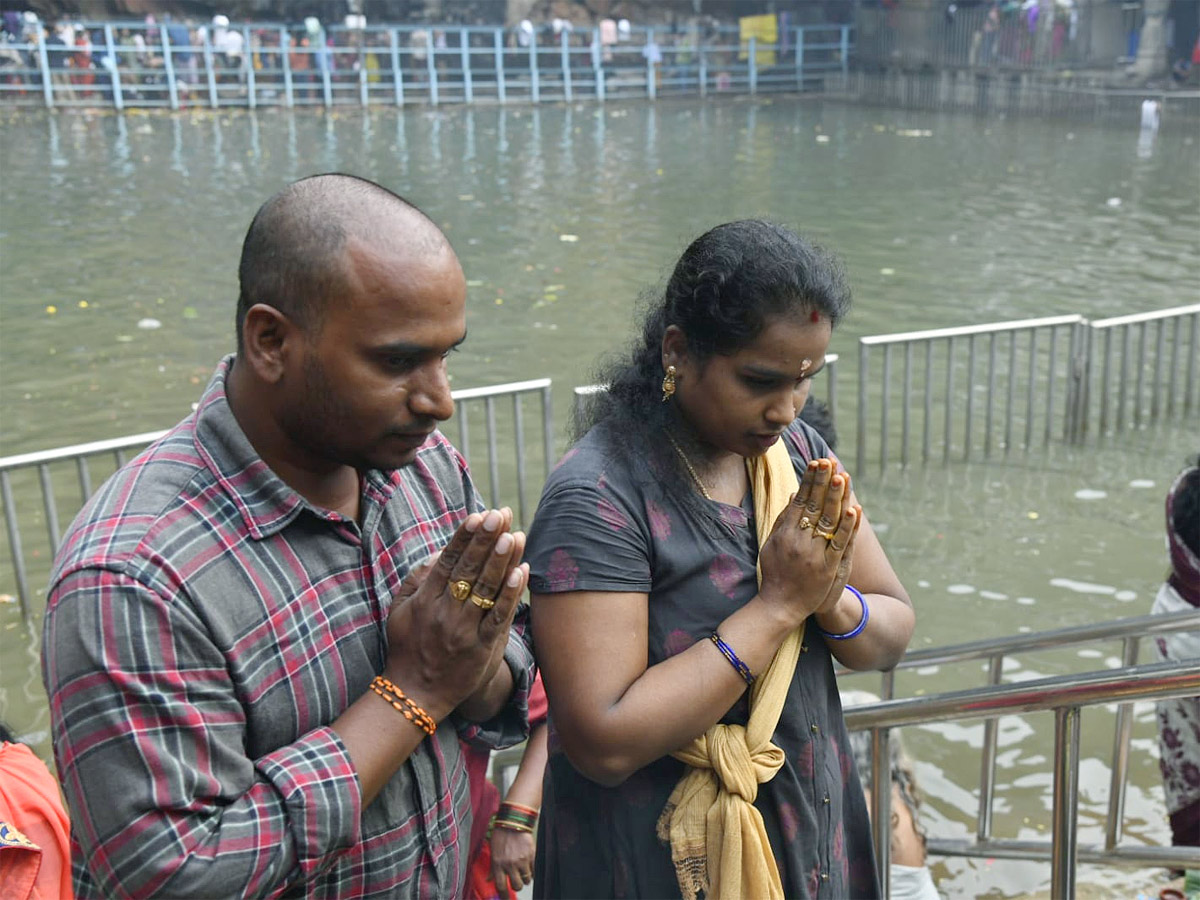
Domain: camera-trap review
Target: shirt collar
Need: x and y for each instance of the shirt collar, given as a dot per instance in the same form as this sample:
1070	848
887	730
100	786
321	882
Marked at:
266	502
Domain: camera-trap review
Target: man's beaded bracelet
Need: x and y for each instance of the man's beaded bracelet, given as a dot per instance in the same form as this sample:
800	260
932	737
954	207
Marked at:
857	630
403	704
740	667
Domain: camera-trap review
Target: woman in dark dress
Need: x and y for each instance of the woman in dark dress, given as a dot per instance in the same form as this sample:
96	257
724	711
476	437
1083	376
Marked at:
697	745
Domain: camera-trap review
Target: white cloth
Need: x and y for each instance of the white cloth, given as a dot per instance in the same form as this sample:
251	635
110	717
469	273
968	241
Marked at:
912	883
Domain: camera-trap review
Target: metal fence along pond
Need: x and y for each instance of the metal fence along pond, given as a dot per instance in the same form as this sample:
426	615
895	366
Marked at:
977	390
134	64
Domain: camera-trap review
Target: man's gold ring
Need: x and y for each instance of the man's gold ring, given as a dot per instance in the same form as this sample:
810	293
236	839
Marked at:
482	602
806	522
460	590
828	535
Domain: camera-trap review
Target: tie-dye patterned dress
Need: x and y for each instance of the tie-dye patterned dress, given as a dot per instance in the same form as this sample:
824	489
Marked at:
600	527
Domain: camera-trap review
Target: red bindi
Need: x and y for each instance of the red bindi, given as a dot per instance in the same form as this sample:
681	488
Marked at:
815	316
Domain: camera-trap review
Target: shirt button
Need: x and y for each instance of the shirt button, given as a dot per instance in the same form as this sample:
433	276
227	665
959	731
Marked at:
826	800
816	729
824	876
804	648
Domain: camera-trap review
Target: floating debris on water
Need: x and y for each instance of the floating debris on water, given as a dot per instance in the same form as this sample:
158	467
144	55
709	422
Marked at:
822	139
1090	494
569	238
1141	483
149	324
1114	202
887	271
960	589
1082	587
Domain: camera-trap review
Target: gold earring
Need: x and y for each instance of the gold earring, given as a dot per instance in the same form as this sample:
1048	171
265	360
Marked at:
668	385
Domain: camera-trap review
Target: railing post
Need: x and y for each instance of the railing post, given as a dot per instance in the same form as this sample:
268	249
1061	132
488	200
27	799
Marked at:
565	43
169	67
14	545
364	96
598	65
248	63
987	768
208	68
114	73
325	61
465	54
1066	803
498	46
1120	757
535	90
44	64
881	804
397	74
845	53
548	429
651	84
860	449
800	59
752	65
431	67
285	60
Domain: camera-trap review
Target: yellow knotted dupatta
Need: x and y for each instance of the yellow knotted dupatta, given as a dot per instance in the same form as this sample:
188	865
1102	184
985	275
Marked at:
718	842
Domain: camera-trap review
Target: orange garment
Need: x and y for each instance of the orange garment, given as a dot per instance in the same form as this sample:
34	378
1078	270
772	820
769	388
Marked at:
35	846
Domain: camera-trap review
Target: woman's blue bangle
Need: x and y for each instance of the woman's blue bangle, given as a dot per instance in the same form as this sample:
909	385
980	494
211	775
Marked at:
727	652
866	615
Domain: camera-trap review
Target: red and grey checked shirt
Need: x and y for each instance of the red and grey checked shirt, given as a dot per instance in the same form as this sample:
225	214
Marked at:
205	625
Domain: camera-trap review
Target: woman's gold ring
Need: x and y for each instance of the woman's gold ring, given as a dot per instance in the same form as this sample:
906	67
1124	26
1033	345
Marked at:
806	522
834	547
482	602
460	590
828	535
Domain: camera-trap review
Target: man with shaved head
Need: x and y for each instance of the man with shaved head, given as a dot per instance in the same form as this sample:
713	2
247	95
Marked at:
266	634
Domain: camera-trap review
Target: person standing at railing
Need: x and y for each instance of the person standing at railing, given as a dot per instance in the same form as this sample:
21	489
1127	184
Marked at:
1179	720
698	560
502	834
258	662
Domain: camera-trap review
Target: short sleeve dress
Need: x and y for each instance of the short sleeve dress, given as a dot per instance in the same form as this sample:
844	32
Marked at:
601	527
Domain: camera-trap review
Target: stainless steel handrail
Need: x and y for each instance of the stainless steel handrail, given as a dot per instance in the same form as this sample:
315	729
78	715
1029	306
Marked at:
1065	695
1139	626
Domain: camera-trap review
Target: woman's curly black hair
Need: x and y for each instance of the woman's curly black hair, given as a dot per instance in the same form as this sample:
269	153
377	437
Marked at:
726	287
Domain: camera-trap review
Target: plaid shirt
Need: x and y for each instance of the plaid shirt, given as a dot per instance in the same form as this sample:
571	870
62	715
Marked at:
205	626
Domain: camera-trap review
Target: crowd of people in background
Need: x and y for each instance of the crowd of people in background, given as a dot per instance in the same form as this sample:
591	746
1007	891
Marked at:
82	59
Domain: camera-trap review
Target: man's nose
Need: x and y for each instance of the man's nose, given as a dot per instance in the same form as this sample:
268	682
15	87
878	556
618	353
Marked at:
430	394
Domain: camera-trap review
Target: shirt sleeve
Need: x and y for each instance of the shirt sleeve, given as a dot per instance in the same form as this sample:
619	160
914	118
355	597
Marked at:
587	537
150	737
511	725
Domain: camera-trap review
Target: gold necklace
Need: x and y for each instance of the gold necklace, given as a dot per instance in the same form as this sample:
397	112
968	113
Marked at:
687	462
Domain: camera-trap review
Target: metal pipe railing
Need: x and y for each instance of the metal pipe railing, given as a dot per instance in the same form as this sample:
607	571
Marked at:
465	64
1065	695
80	454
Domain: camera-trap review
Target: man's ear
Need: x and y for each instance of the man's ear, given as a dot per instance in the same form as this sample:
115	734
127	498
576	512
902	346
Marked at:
268	337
